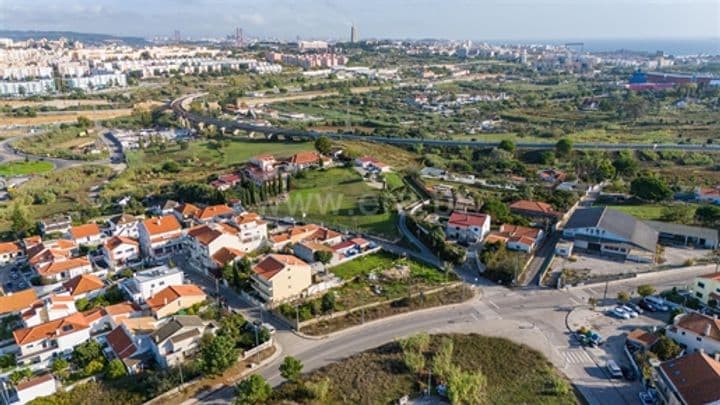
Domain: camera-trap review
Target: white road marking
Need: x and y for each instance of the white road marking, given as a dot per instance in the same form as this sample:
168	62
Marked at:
574	301
578	356
493	304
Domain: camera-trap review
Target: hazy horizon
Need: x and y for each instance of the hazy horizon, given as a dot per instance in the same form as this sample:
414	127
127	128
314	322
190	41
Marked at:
488	20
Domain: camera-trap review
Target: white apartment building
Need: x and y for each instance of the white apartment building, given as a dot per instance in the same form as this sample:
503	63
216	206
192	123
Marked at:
97	81
27	88
160	237
144	284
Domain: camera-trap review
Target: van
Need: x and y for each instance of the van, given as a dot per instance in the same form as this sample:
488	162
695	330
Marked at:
614	370
657	302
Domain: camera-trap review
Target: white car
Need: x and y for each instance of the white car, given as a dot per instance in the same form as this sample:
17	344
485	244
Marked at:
630	311
619	313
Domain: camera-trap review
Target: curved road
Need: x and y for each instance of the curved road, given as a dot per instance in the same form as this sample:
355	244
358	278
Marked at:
10	154
178	106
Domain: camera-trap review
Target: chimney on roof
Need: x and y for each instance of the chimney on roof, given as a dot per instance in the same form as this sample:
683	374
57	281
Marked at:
165	301
708	329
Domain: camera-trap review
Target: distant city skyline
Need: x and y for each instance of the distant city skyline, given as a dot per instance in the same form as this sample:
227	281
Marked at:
489	20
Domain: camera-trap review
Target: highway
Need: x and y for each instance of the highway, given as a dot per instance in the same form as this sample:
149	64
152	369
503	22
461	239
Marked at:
178	106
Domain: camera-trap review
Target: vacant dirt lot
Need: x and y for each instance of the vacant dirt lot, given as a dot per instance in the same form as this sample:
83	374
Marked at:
57	103
64	116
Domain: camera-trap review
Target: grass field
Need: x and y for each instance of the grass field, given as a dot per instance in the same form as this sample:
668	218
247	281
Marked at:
337	197
515	374
21	168
380	261
394	181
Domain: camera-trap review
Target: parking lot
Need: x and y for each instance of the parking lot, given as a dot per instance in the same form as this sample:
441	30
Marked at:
12	279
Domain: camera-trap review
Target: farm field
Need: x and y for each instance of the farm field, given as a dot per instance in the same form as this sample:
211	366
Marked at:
20	168
64	117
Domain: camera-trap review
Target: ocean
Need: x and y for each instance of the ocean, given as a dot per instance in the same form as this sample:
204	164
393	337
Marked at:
675	47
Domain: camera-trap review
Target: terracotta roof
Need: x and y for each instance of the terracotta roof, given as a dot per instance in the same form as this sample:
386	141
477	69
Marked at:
343	245
173	292
59	266
121	343
643	337
712	276
92	315
83	283
315	246
534	206
248	217
709	192
359	241
204	234
83	231
700	324
122	308
466	219
495	238
266	158
10	247
226	255
303	158
123	219
116	241
187	209
323	234
32	241
696	377
17	301
166	224
274	264
52	329
516	230
214	211
23	385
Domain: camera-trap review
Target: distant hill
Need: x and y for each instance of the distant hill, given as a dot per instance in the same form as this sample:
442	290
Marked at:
87	38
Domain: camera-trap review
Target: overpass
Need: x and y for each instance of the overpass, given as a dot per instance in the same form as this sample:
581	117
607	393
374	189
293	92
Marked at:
179	107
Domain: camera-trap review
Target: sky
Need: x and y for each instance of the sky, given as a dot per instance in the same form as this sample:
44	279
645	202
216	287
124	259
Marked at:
331	19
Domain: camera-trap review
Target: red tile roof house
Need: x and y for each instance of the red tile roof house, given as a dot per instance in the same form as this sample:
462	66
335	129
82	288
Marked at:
304	160
62	268
693	379
535	209
277	277
370	163
119	250
174	298
467	227
552	175
204	241
225	182
161	237
84	286
11	252
132	350
517	237
42	343
88	234
213	213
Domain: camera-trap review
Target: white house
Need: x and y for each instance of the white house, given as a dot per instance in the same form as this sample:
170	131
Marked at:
265	163
11	252
253	231
62	268
205	240
144	284
697	332
41	343
515	237
124	225
161	237
35	387
87	234
370	163
119	250
178	339
50	308
467	226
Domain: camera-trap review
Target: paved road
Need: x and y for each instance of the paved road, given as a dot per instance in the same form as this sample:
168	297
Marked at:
178	106
535	317
541	255
424	253
9	154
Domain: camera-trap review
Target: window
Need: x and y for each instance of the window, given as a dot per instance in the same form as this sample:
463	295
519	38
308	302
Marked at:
699	339
683	333
701	284
698	294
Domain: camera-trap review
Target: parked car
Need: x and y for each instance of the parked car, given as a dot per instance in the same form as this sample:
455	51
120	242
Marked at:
630	311
614	370
619	313
659	303
596	339
635	307
646	398
22	285
647	306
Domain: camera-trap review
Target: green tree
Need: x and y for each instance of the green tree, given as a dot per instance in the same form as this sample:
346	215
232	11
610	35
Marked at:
60	367
328	302
623	296
323	256
320	390
564	147
508	145
86	353
666	348
19	375
93	367
323	145
625	164
414	361
291	368
115	369
709	215
218	353
416	343
683	214
84	122
467	387
650	188
443	360
253	390
232	326
20	221
645	290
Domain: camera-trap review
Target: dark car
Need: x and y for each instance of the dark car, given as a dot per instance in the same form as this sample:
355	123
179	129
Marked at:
647	306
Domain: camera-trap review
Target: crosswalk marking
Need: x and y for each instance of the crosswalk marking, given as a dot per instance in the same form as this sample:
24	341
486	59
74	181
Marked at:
577	357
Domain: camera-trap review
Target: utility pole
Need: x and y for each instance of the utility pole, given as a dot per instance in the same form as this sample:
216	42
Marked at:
297	319
429	389
605	293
